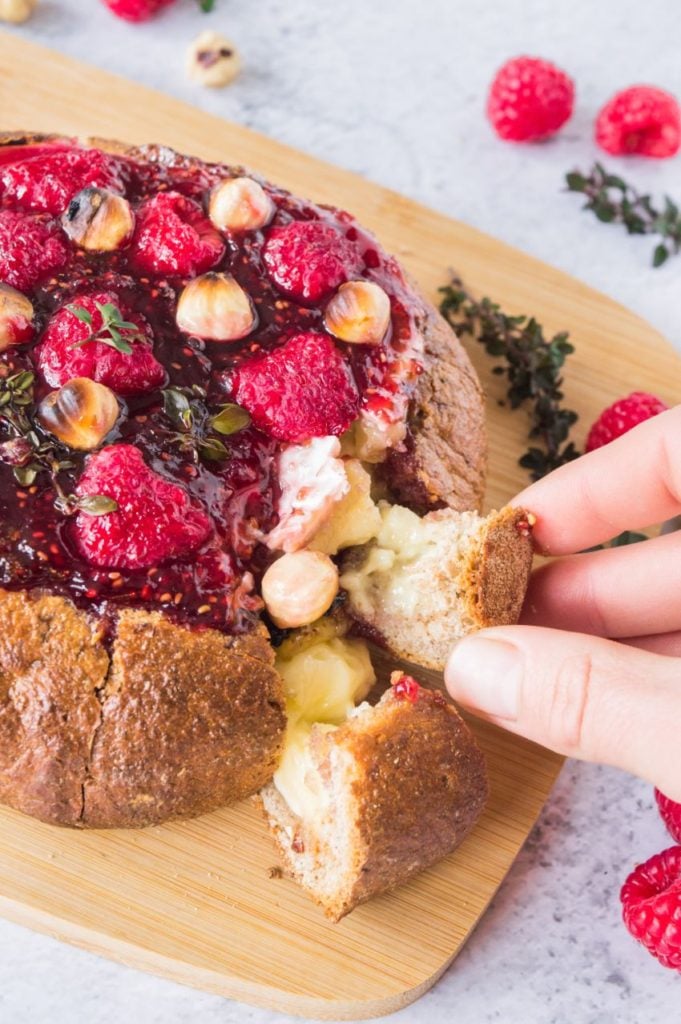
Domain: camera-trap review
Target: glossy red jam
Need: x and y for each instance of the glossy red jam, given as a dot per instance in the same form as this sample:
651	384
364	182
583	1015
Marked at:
217	584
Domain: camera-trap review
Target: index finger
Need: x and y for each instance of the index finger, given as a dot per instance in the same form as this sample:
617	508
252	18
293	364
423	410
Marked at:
629	484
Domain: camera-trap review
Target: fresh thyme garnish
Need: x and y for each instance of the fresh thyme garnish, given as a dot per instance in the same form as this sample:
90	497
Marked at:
115	331
207	5
28	454
532	367
613	201
187	411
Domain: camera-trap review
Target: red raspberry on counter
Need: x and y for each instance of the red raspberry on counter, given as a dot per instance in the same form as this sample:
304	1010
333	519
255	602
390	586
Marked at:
307	259
58	361
155	519
529	99
174	236
651	906
303	389
137	10
30	249
671	815
48	181
641	119
622	416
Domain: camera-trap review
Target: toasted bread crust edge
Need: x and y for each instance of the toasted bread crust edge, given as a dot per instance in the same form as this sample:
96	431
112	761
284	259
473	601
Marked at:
420	784
163	723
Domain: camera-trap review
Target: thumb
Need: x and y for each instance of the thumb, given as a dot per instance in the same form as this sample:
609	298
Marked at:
579	695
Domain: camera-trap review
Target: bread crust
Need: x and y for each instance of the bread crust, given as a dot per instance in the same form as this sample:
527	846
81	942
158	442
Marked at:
443	462
163	723
420	784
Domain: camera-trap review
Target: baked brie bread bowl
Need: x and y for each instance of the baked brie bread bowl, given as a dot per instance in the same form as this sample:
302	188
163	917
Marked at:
234	441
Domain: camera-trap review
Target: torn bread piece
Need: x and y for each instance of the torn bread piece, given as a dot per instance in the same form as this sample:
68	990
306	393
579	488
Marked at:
366	805
424	583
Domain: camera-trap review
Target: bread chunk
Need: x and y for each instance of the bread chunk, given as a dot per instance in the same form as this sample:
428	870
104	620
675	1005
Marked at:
423	584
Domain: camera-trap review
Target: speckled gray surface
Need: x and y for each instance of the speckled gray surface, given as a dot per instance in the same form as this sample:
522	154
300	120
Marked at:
392	89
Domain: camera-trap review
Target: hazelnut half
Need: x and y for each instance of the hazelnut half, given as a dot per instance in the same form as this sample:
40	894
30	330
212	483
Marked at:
299	587
16	317
16	11
80	414
215	307
213	60
98	220
359	313
240	204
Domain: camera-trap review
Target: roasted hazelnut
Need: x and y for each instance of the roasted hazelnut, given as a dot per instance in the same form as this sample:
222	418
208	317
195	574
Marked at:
80	414
299	587
99	220
16	317
215	307
16	11
212	60
240	204
359	313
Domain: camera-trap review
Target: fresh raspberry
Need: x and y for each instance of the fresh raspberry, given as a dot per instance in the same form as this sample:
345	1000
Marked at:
307	259
651	902
58	361
641	119
529	99
46	182
174	236
155	520
30	249
137	10
671	815
303	389
621	416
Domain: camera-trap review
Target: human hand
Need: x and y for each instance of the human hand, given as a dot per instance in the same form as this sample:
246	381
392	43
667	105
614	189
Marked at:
616	700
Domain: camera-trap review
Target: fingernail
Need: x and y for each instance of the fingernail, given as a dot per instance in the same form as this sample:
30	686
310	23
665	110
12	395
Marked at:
486	674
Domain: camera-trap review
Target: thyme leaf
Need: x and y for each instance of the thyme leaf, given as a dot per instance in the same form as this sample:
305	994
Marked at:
115	332
613	201
532	365
195	426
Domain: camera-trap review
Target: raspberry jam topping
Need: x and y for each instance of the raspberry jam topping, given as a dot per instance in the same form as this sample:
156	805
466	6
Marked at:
172	510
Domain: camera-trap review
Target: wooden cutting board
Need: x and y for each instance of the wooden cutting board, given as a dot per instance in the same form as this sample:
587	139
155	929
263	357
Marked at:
195	901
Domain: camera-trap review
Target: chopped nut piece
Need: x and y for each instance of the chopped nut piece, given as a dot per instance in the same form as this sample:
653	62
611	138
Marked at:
212	60
16	11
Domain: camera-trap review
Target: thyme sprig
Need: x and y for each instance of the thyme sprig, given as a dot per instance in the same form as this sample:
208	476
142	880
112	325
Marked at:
532	365
613	201
114	331
29	453
196	427
207	5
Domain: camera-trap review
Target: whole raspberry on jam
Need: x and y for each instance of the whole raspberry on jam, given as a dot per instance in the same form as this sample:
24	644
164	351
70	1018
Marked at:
641	119
174	236
651	904
529	99
622	416
671	815
307	259
137	10
31	248
155	520
48	181
303	389
58	361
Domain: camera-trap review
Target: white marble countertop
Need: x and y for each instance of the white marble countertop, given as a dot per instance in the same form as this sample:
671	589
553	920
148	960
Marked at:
393	89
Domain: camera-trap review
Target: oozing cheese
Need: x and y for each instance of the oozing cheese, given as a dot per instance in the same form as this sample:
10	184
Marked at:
355	519
324	679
